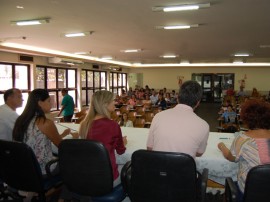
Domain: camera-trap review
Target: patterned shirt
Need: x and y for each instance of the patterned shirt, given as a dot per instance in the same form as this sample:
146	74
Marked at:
40	144
251	152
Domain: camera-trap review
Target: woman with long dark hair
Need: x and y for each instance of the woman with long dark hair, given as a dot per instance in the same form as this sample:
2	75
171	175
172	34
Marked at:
33	128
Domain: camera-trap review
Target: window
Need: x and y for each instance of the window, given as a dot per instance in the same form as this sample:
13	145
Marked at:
92	81
15	76
118	81
54	79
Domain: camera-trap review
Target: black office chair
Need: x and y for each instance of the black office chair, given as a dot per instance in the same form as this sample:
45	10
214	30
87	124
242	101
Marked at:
257	187
154	176
20	170
86	171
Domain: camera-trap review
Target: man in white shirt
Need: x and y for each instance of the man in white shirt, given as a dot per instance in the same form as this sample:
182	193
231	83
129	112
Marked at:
13	99
154	97
179	129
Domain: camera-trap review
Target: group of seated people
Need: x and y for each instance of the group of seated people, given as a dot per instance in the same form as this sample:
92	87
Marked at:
146	97
167	133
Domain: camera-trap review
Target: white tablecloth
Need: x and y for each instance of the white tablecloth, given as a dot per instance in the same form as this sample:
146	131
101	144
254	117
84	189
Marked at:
219	167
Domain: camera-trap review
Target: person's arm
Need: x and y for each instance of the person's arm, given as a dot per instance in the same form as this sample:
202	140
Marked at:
49	129
226	152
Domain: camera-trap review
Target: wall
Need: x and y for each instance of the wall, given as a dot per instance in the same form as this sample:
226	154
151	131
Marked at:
167	76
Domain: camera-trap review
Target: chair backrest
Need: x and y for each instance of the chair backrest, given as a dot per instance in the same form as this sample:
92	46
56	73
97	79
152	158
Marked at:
257	186
85	167
19	167
162	176
139	123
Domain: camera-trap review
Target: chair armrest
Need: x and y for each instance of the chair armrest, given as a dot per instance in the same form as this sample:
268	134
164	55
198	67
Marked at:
203	185
48	167
230	190
126	176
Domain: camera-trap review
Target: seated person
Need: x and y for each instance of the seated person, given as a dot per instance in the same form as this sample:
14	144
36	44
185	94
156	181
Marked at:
161	103
132	101
33	128
124	122
250	148
229	116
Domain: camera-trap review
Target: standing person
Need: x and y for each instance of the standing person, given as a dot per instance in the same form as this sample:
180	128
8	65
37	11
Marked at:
67	106
33	128
250	148
97	125
13	100
179	129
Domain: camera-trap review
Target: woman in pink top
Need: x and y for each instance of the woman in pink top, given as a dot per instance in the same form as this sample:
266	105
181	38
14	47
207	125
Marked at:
97	125
250	148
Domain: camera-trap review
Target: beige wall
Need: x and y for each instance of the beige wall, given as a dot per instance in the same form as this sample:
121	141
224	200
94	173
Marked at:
158	78
167	76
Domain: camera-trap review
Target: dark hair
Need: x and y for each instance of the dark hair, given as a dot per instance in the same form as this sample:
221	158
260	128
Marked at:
122	119
190	93
256	114
32	109
9	93
64	90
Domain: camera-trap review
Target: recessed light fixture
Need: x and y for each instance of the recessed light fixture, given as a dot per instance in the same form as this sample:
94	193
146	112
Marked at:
181	7
20	7
241	55
169	56
238	61
82	53
78	34
107	58
30	22
177	26
131	50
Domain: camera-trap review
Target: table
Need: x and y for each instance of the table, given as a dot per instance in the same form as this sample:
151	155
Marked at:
219	167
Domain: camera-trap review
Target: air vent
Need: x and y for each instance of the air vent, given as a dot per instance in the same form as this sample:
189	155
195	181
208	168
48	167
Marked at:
95	66
26	58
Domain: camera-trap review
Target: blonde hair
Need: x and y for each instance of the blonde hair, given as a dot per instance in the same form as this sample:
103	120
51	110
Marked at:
98	106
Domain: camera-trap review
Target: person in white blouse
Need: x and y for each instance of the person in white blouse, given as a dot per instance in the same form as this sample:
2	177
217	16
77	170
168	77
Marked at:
124	122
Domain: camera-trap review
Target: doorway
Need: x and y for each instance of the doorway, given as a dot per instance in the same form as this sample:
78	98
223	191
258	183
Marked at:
214	85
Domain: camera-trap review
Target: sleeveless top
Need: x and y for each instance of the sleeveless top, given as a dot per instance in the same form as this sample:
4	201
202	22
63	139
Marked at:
252	152
39	143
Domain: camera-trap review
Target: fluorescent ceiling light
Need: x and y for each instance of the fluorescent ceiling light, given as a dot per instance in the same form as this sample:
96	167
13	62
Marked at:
241	55
169	56
79	34
177	26
181	7
75	34
131	50
107	58
30	22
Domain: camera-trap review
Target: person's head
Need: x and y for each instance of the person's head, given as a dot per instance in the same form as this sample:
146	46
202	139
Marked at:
190	94
256	114
64	91
13	98
37	105
230	108
102	103
125	116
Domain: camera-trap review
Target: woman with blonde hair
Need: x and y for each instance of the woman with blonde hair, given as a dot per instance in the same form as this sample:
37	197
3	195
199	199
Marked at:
97	125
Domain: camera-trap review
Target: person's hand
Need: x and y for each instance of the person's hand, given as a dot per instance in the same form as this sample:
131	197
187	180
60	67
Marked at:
66	132
221	146
75	135
125	140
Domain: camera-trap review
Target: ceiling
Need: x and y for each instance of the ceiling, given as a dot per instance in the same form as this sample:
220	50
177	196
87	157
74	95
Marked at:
225	28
